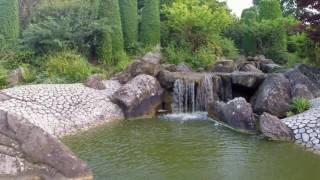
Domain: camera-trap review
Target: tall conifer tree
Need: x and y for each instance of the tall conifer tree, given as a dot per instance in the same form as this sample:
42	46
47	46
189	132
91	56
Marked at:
9	22
109	14
129	20
150	24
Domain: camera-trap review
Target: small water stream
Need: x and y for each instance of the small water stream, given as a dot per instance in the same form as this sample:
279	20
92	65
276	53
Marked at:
188	147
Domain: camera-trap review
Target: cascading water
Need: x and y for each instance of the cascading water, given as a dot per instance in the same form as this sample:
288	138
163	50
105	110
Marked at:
192	96
183	96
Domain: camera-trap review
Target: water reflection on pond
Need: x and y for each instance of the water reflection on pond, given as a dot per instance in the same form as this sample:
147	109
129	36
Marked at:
195	149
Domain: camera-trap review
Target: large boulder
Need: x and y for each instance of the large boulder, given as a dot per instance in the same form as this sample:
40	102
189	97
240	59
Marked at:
167	78
16	76
152	57
30	151
182	67
269	68
236	114
139	97
149	64
95	82
301	85
313	73
247	79
223	65
273	96
273	128
136	68
250	68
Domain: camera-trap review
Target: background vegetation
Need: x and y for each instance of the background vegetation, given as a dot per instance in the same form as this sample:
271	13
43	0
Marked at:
67	40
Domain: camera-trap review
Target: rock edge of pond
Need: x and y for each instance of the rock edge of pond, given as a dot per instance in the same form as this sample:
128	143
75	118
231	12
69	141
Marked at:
250	94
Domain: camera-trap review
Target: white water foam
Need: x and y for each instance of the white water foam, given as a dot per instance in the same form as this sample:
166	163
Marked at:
186	116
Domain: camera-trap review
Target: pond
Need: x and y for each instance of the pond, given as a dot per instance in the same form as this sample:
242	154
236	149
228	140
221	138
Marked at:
176	148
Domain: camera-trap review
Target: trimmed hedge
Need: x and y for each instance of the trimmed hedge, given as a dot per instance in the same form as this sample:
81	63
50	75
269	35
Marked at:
129	20
150	24
109	13
9	22
270	9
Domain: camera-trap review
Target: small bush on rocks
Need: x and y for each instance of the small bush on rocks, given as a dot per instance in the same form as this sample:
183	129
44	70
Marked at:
299	105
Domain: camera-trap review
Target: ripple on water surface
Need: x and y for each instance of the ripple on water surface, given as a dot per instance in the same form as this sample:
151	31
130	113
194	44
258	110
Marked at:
169	148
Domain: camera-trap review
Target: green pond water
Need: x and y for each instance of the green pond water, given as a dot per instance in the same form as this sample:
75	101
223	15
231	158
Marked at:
159	149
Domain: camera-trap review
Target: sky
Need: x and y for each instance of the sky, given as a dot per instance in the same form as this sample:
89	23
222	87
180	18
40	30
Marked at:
238	5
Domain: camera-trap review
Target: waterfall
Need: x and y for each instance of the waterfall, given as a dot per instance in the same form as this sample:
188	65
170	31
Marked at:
205	93
183	96
192	96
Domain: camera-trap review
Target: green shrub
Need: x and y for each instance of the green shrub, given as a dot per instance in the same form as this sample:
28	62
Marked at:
68	66
299	105
3	77
150	23
9	22
270	9
109	15
129	20
27	74
12	59
201	58
122	62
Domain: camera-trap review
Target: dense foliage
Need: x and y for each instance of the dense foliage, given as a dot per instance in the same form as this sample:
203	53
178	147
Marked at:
192	32
67	40
9	23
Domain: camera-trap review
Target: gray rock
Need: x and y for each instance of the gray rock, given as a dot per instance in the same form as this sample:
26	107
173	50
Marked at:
305	137
4	97
247	79
269	68
153	57
136	68
182	67
313	73
224	65
139	97
95	82
250	68
237	114
274	128
15	76
301	85
40	152
167	78
273	96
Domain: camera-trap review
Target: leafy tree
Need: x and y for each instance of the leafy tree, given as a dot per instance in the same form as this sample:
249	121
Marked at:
9	22
310	17
109	14
193	27
269	9
129	19
150	23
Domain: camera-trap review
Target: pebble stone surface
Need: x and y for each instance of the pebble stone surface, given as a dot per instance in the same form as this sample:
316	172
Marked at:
63	108
306	127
